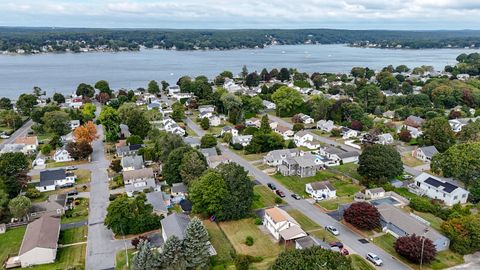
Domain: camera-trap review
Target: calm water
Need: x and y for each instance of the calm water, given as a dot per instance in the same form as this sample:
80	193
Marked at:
63	72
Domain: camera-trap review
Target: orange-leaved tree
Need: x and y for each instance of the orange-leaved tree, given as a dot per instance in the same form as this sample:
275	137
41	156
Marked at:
86	133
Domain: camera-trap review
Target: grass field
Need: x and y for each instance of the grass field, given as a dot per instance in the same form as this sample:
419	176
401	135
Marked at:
349	169
10	242
332	204
66	163
67	258
220	243
297	184
83	176
262	197
444	259
237	231
250	157
408	160
306	223
121	262
359	263
345	188
74	235
78	213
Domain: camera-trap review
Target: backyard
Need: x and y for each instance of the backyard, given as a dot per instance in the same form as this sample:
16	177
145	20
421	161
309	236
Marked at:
83	176
409	160
263	197
66	163
297	184
74	235
264	246
72	257
78	213
349	169
220	243
444	259
10	242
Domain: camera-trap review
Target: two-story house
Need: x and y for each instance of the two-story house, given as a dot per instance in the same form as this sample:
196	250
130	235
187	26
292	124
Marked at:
276	157
325	125
425	153
138	180
130	163
303	166
321	190
281	225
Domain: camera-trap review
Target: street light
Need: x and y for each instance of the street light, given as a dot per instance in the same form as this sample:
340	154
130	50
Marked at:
423	245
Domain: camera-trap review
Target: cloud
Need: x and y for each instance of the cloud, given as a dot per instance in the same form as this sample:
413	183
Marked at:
379	14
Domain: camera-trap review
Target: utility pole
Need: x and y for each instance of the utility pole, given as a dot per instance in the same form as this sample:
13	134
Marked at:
423	246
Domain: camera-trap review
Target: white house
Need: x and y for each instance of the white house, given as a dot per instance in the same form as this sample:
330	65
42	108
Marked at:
29	143
228	129
458	124
385	139
348	133
51	179
269	105
39	162
276	157
74	124
39	244
425	153
414	132
172	127
173	89
244	140
74	102
306	119
281	225
322	190
286	132
215	121
206	108
374	193
138	180
436	188
325	125
301	137
253	122
62	155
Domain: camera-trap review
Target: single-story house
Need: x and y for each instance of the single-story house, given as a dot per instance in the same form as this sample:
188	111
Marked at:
209	152
54	206
253	122
374	193
414	132
160	202
286	132
414	121
206	108
281	225
321	190
39	162
194	142
348	133
306	119
214	120
138	180
130	163
214	161
178	192
385	139
174	224
425	153
436	188
398	223
39	244
51	179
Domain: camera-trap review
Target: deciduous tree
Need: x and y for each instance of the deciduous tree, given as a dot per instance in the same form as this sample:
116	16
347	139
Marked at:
19	206
57	122
362	215
288	101
153	87
86	132
416	248
207	141
379	163
192	166
311	258
437	132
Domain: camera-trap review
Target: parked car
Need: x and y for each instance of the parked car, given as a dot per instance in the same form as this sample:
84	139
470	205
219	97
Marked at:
71	168
280	193
67	185
72	193
337	244
345	252
4	136
407	177
332	230
374	259
296	196
272	186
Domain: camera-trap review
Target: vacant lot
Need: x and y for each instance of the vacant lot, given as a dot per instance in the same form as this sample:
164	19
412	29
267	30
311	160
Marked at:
83	176
263	197
237	231
10	242
297	184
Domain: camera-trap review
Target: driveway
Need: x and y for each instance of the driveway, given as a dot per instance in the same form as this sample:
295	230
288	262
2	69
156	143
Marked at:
349	238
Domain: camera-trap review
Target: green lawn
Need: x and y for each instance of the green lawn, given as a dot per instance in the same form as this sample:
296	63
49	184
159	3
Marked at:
349	169
435	222
262	197
297	184
444	259
359	263
74	235
190	132
66	163
220	243
306	223
322	234
67	258
345	188
10	243
333	203
78	213
83	176
249	157
121	262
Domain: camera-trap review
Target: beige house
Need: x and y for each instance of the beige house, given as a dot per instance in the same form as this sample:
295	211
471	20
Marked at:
39	245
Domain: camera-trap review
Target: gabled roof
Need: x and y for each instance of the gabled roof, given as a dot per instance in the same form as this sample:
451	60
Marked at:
49	177
42	233
435	182
175	224
32	140
209	152
179	188
429	151
157	200
278	215
132	161
138	174
322	185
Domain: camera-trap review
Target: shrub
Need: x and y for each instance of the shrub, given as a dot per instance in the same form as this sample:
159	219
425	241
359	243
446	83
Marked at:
278	200
249	241
237	146
242	262
410	247
298	126
32	193
258	221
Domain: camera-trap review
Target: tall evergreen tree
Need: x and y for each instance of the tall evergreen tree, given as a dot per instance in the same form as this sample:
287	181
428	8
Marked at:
195	244
144	259
265	126
172	257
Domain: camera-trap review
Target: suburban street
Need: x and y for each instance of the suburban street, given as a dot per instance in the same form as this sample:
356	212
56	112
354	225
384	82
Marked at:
349	238
23	131
101	246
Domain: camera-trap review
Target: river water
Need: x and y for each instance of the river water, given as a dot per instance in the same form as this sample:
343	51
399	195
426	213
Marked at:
63	72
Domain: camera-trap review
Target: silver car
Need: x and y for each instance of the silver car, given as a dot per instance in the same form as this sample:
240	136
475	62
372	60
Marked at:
374	259
332	230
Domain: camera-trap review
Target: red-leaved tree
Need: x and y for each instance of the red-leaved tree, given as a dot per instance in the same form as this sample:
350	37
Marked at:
362	215
410	247
405	135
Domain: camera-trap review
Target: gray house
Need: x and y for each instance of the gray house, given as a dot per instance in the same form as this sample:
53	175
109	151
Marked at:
128	150
398	223
138	180
130	163
174	224
54	206
303	166
160	202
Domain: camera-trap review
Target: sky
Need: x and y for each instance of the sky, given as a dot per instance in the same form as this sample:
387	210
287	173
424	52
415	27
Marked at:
231	14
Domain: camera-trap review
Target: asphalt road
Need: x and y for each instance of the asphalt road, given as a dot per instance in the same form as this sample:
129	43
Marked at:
348	237
23	131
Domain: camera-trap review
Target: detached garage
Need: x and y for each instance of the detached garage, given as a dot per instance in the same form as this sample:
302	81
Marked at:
39	245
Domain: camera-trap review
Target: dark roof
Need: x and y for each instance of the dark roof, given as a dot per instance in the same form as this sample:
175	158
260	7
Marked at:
447	187
179	188
48	178
175	224
134	147
186	205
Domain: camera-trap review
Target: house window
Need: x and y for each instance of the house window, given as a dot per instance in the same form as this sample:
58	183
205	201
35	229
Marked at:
455	197
464	195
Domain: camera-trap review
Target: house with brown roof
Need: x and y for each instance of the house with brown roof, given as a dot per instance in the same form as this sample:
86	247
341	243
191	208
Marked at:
39	245
281	225
30	143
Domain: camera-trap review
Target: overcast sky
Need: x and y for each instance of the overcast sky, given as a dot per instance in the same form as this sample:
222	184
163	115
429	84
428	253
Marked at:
346	14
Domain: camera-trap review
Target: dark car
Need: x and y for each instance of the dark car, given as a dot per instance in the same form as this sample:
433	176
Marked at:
69	185
296	196
272	186
72	193
337	244
280	193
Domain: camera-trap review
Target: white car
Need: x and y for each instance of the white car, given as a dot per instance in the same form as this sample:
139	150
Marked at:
4	136
374	259
332	229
